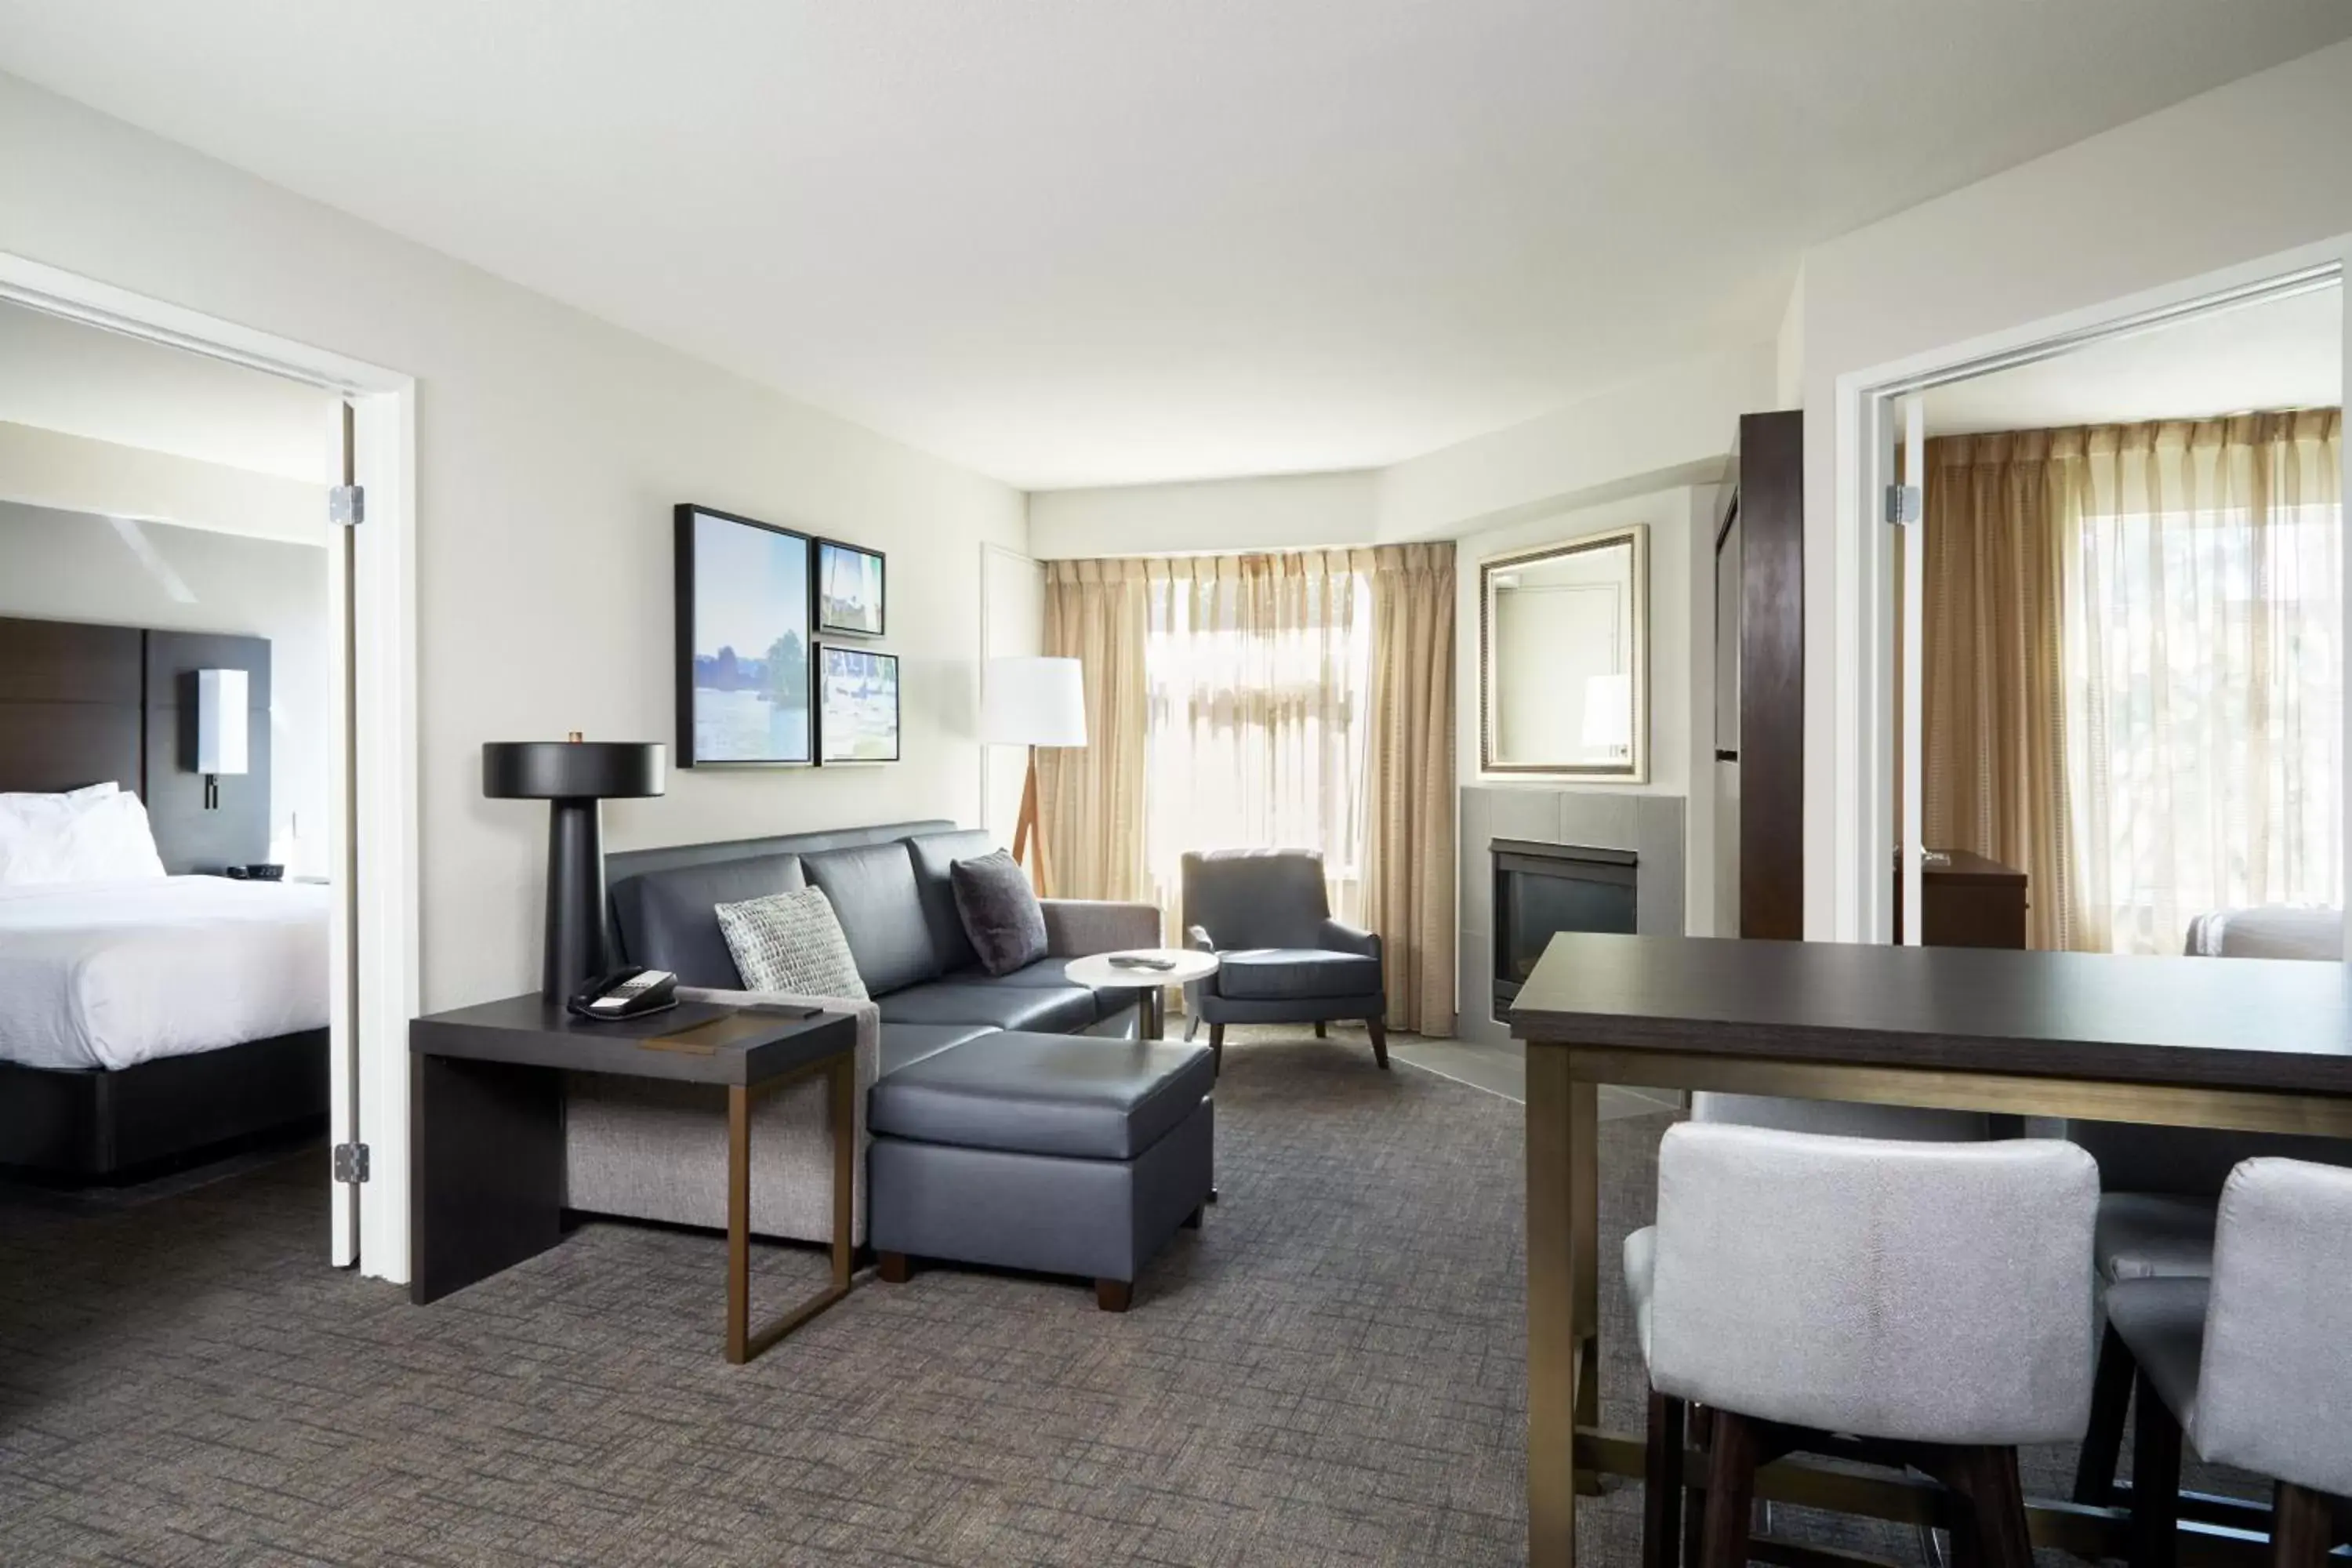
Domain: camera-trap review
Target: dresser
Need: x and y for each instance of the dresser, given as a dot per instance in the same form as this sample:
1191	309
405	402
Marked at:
1969	901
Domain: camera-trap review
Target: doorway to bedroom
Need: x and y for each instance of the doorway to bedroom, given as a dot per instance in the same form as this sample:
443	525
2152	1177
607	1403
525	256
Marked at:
178	647
2116	616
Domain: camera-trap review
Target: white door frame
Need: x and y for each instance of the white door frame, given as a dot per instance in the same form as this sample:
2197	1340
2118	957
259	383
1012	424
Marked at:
1861	835
384	957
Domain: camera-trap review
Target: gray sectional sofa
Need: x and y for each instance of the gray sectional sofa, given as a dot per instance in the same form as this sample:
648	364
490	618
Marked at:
997	1113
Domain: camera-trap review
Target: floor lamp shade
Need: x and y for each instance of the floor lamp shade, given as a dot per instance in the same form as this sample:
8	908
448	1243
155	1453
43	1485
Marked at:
573	777
1032	702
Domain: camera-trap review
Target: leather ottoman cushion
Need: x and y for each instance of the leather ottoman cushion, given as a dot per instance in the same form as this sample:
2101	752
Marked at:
905	1044
1078	1097
1052	1010
1294	973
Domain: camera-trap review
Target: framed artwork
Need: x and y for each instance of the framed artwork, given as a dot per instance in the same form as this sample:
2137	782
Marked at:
848	590
858	705
743	682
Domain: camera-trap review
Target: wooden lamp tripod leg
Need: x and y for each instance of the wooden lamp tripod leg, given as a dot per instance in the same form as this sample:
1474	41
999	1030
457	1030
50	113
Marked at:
1024	826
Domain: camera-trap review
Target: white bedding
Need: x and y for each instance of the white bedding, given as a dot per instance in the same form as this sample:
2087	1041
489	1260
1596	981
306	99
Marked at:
2268	930
110	974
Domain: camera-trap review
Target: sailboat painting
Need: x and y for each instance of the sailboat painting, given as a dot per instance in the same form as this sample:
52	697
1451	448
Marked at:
857	706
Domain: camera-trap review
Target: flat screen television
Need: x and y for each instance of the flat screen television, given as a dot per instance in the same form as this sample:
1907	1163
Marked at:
743	611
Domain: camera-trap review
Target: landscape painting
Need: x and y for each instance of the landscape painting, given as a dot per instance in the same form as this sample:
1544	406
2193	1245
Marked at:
743	631
848	589
859	717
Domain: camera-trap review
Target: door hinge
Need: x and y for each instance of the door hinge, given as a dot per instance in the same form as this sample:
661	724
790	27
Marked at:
351	1162
347	504
1903	504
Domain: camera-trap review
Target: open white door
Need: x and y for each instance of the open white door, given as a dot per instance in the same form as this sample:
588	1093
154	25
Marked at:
343	988
1913	659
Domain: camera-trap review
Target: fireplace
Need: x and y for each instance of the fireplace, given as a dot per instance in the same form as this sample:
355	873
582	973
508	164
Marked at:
1544	889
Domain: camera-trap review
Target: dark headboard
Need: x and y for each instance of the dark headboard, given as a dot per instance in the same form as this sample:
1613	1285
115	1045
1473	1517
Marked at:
82	704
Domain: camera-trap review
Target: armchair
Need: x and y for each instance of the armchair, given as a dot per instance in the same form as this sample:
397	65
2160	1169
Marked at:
1282	958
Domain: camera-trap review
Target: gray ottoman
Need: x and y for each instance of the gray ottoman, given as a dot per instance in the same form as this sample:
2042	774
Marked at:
1061	1153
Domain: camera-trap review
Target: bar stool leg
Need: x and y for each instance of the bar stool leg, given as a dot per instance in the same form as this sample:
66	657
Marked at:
1732	1458
2155	1480
1661	1484
2303	1526
2103	1440
1700	1421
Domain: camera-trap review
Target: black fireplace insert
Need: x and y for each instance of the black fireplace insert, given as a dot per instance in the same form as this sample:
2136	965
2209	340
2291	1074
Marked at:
1541	889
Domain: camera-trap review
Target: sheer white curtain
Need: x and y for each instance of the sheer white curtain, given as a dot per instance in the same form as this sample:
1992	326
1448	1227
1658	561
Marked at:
2204	629
1258	671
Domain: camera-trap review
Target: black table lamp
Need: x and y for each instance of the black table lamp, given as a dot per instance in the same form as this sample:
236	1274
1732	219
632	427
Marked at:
573	776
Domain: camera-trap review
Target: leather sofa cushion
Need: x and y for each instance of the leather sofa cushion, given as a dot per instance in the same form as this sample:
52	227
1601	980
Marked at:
669	920
905	1044
1075	1096
1288	973
992	1002
933	854
872	888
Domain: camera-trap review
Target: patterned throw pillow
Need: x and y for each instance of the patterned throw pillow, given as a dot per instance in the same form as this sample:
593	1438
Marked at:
1000	914
791	942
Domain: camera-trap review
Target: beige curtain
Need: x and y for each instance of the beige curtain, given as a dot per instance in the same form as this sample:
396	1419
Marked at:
1091	798
1409	812
1995	714
1257	668
2204	671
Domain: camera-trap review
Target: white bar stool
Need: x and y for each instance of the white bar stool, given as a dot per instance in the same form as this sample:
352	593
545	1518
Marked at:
2253	1364
1915	1303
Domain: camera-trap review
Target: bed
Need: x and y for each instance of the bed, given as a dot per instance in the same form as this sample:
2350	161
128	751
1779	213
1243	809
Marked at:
2268	930
151	1011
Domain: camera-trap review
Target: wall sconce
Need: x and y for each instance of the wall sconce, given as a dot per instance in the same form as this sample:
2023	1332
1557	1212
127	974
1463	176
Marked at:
221	721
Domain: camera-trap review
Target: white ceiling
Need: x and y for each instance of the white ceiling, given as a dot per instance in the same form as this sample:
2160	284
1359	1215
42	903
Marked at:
1068	243
56	374
2288	353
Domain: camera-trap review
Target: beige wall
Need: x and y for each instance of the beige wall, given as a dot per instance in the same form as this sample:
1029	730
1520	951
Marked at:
551	448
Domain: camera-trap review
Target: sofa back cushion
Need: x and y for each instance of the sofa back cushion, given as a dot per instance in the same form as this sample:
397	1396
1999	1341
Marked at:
667	920
1255	898
872	888
934	853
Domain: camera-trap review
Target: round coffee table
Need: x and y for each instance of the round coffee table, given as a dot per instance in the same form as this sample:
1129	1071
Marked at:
1097	970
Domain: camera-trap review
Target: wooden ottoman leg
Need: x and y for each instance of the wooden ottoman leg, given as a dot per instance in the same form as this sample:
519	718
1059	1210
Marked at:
894	1268
1114	1295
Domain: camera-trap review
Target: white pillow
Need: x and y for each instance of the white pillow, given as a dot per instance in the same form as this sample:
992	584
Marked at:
96	835
791	942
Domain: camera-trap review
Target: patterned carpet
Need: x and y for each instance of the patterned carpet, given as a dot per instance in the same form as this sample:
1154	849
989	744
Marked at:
1331	1373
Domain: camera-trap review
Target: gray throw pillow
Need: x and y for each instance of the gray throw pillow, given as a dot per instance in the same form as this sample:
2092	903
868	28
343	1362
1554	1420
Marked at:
791	942
1000	911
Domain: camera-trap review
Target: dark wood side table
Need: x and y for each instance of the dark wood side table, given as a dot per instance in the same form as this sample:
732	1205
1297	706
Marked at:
486	1129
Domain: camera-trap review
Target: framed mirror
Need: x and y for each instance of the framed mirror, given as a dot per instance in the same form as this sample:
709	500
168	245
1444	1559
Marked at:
1564	659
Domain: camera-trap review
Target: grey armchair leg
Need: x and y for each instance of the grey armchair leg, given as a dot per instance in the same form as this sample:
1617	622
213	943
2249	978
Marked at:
1379	1029
1217	1047
1192	1027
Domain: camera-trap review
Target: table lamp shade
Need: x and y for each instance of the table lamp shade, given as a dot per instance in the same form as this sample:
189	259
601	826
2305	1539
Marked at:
573	776
573	769
1033	702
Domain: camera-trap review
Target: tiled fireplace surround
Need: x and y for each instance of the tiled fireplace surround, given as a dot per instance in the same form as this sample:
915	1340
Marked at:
1651	825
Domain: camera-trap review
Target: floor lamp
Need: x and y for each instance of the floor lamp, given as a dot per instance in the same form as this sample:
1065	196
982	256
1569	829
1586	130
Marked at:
1032	702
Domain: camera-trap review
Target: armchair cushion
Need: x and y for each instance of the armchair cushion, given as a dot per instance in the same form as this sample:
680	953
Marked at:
1288	973
1255	898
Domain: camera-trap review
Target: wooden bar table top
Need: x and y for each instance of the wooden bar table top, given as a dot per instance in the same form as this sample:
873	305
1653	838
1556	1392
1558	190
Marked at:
2254	1044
